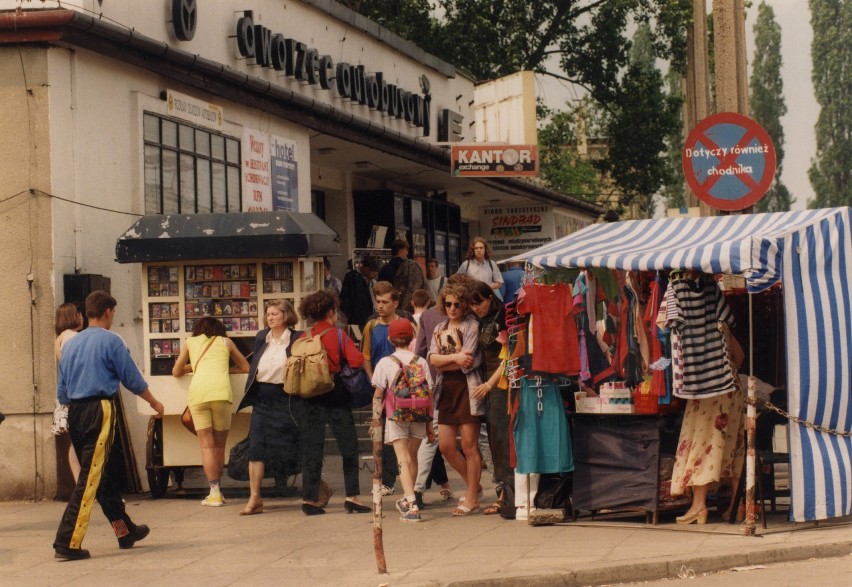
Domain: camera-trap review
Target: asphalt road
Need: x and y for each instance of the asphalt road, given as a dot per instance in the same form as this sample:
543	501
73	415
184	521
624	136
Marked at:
826	572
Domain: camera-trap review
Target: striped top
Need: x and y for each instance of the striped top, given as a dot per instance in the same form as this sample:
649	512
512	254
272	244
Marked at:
697	308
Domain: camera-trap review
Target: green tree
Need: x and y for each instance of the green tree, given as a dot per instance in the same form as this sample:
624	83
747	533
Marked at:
410	19
673	191
767	100
563	162
638	125
830	173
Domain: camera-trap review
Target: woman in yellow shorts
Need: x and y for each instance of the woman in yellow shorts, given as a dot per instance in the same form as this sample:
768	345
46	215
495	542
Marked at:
208	352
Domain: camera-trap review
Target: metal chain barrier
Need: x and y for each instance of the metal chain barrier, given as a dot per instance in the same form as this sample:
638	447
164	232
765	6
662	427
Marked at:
757	402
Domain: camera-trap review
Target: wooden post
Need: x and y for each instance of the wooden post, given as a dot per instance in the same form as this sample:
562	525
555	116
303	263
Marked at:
377	437
751	424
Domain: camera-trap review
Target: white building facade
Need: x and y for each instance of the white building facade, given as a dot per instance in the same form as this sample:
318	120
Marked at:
118	110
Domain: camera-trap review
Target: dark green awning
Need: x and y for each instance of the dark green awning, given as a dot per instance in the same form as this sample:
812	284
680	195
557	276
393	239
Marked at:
242	235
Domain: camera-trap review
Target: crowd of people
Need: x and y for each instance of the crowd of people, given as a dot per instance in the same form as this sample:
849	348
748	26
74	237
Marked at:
444	333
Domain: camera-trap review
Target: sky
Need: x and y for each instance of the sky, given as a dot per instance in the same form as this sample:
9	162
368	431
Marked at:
793	16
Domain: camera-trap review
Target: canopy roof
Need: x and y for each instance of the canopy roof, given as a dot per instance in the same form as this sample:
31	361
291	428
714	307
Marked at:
745	244
175	237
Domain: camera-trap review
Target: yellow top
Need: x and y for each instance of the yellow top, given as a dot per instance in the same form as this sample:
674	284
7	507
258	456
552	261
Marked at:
210	380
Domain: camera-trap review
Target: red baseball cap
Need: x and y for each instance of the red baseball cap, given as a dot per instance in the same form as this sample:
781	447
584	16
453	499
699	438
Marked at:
400	328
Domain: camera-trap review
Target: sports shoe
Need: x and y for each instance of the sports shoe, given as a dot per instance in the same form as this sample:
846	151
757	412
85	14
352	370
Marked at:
386	490
213	500
412	515
136	534
403	506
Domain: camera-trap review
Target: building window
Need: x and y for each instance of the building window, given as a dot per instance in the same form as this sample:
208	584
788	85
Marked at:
189	170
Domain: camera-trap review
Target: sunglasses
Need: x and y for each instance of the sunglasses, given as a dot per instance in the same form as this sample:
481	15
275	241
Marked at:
452	304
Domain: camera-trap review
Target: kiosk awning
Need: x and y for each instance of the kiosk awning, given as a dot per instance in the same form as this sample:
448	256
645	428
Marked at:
175	237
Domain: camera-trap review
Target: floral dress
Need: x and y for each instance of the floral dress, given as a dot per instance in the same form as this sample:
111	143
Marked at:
711	441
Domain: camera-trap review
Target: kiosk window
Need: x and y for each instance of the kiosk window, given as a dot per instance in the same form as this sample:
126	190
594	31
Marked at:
189	170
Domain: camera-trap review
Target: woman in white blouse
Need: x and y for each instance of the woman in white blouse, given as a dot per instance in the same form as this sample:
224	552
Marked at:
274	430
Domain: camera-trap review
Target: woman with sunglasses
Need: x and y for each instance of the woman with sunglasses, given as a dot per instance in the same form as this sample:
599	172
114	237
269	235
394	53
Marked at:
455	354
492	340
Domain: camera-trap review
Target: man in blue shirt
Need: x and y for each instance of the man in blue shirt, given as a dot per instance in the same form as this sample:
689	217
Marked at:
92	365
513	277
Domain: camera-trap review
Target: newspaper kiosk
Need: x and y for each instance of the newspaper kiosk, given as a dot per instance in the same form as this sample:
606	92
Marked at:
221	265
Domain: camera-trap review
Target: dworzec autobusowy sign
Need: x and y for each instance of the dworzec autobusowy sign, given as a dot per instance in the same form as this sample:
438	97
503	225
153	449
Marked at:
494	160
729	161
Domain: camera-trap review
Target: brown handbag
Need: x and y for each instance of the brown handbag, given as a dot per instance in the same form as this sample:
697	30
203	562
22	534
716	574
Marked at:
186	417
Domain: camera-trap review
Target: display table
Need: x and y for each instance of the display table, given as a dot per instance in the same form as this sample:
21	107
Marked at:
617	464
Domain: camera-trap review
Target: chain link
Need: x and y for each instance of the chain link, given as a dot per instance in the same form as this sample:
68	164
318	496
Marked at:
770	406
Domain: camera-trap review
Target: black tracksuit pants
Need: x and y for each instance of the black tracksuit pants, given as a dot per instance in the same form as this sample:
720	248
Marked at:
91	425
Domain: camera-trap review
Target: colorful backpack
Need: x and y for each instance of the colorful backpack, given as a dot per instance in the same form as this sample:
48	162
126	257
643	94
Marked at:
409	398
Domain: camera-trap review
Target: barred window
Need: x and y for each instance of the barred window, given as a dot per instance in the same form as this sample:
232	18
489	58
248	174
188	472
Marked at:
188	169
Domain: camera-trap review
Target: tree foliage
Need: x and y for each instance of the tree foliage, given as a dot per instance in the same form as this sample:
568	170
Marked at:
565	161
640	121
767	100
579	41
673	191
830	173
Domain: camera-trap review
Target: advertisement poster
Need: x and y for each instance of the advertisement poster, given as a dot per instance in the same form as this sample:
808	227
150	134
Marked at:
516	229
257	178
285	174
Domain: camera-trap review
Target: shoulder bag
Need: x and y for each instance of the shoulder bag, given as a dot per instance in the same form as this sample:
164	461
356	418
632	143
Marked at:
354	381
186	417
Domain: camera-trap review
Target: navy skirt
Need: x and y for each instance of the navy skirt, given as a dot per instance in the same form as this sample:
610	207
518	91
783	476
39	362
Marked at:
274	431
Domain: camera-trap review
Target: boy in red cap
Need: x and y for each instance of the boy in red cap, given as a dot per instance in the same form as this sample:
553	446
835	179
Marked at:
403	381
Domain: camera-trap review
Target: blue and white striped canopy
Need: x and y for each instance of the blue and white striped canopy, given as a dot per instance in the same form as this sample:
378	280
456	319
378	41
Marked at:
745	244
810	252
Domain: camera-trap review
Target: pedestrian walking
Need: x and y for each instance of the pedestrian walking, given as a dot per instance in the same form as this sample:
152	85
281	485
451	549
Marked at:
92	365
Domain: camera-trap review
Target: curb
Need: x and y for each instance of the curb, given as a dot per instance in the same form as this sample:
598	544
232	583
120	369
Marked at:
657	570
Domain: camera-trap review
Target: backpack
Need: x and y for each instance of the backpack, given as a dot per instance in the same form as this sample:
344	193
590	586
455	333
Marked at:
306	372
409	398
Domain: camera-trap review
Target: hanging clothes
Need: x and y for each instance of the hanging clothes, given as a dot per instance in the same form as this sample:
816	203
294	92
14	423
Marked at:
696	309
541	438
657	367
553	338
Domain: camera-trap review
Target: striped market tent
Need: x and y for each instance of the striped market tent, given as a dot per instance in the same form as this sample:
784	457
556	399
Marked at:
809	252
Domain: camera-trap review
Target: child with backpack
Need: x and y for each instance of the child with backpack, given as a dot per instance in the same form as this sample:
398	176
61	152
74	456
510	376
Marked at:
403	381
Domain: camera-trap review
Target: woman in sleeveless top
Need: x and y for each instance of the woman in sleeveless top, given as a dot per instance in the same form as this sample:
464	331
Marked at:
208	352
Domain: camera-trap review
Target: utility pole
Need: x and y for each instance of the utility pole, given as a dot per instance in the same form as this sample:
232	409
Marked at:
732	96
730	55
697	82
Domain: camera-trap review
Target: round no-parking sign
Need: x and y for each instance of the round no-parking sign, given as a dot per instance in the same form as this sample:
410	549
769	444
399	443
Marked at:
729	161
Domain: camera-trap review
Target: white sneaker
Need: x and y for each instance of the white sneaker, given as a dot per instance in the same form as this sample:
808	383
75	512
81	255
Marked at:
386	490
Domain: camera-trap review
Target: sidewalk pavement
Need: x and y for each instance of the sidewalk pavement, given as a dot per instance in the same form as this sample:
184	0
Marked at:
191	544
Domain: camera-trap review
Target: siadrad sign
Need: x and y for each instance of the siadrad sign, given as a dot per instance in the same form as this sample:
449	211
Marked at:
729	161
514	229
494	160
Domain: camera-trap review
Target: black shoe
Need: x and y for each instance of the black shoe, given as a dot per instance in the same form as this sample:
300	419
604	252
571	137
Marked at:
312	510
418	499
138	533
70	554
355	508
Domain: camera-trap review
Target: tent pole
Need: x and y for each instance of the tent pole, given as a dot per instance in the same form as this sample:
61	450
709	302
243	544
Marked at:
751	419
